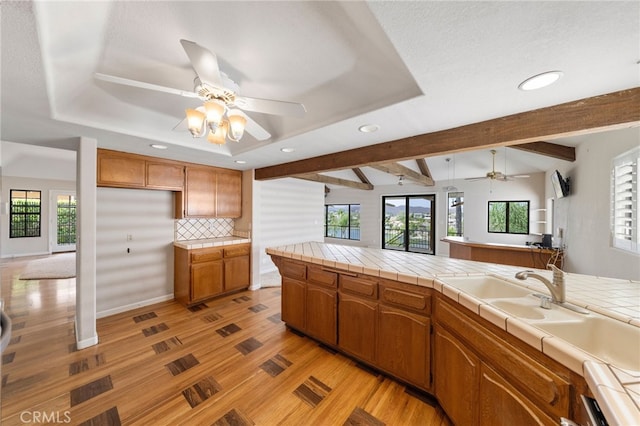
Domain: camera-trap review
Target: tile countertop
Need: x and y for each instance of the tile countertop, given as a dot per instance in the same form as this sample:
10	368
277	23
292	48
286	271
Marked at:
616	390
210	242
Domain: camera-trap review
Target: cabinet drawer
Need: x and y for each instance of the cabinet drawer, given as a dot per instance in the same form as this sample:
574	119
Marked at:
293	270
321	277
205	255
360	286
397	295
239	250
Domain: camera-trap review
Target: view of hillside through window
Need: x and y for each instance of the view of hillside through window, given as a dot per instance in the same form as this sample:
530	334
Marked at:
342	221
408	223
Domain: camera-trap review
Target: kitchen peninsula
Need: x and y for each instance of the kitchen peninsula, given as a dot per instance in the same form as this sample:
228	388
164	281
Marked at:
531	256
395	311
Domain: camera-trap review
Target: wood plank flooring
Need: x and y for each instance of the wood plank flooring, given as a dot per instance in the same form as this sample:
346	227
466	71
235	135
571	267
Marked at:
225	362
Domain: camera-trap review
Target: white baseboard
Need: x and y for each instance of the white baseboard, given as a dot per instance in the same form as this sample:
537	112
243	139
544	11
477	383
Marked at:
82	344
11	256
135	305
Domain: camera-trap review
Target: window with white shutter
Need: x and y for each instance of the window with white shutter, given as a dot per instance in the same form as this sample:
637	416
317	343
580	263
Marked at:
624	201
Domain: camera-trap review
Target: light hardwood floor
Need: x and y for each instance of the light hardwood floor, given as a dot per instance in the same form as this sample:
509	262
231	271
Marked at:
230	361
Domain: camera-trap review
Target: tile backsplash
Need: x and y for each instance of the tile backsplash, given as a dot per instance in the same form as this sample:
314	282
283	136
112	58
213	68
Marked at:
200	229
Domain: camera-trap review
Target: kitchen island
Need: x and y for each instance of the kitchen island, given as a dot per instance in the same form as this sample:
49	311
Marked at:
384	291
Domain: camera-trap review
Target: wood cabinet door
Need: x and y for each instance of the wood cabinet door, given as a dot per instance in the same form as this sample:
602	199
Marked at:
165	176
236	273
403	344
357	326
120	170
457	374
229	194
502	404
321	315
200	187
293	302
206	279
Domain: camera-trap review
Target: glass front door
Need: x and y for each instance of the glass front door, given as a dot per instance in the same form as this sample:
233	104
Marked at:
64	221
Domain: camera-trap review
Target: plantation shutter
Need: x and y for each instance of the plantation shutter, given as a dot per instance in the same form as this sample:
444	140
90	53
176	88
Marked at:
624	201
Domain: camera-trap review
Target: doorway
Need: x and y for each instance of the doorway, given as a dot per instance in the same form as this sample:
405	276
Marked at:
408	223
63	221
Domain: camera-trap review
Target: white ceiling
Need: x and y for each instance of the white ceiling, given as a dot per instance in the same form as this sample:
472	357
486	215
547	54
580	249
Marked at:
410	67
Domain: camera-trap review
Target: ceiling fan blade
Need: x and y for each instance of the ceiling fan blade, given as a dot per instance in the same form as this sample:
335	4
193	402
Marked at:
143	85
476	178
204	62
255	130
269	106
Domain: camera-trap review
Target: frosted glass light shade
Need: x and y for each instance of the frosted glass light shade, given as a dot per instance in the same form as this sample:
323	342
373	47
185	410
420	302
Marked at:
214	111
195	119
219	137
237	123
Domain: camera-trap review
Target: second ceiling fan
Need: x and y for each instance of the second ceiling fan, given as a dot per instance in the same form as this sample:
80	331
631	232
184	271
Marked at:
496	175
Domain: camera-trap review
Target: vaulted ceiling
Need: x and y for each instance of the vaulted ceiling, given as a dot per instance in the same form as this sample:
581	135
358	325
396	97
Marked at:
412	68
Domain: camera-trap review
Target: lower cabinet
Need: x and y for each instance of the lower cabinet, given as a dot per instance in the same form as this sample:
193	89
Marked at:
456	371
293	302
403	345
201	274
482	379
321	315
357	326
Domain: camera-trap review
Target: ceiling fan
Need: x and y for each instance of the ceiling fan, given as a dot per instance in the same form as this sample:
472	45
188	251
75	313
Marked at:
494	175
223	110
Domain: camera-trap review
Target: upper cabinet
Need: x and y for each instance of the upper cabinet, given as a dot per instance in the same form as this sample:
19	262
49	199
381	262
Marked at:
201	191
212	192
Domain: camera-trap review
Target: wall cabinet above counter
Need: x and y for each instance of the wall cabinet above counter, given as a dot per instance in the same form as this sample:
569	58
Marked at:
200	191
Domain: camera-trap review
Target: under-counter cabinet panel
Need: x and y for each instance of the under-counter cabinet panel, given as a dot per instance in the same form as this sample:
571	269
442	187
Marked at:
293	302
403	344
456	371
357	326
322	307
501	404
201	274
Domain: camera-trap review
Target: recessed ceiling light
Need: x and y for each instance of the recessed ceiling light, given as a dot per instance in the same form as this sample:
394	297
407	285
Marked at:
287	149
241	162
369	128
158	146
541	80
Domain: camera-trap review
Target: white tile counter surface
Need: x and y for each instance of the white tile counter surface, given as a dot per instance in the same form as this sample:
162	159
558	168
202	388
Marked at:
210	242
616	390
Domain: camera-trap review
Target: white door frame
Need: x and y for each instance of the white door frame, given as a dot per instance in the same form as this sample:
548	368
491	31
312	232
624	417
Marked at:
53	221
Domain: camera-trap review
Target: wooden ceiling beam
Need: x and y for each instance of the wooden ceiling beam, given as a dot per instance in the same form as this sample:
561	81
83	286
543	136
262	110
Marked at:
315	177
424	168
399	169
562	152
605	112
363	178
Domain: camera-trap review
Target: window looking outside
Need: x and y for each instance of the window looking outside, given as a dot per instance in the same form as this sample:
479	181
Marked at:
509	217
342	221
408	223
624	201
25	213
455	204
66	219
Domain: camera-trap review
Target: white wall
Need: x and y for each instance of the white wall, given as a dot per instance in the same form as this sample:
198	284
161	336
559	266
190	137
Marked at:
476	196
285	211
585	214
33	245
144	274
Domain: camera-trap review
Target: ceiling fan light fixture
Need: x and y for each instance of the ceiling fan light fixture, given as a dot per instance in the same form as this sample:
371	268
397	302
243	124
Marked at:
219	136
541	80
214	111
195	121
237	123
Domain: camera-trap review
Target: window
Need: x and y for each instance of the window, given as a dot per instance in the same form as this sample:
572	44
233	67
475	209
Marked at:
624	201
25	213
455	204
509	217
342	221
408	223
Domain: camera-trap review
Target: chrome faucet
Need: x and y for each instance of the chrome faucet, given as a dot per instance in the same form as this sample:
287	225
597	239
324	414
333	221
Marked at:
557	287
